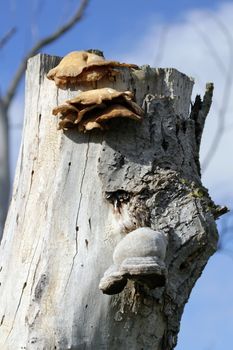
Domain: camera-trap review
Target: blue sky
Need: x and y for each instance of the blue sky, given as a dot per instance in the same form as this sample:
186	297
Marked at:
181	34
111	25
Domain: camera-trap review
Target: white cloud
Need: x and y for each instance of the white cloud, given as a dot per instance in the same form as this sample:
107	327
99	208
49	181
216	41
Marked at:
198	46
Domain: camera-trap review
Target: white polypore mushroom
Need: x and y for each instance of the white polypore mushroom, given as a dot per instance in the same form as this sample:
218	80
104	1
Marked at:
138	256
141	243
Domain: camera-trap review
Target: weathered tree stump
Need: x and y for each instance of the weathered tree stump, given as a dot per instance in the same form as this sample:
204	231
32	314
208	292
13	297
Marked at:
62	229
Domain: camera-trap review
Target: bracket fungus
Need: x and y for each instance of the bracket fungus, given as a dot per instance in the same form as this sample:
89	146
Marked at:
139	256
94	108
82	67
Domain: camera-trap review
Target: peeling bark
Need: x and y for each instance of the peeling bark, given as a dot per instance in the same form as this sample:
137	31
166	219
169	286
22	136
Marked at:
63	224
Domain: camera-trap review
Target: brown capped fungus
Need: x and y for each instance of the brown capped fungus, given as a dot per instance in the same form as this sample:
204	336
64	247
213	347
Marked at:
94	108
80	67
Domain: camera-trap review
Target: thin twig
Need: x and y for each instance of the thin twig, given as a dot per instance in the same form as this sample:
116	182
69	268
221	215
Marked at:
4	40
38	46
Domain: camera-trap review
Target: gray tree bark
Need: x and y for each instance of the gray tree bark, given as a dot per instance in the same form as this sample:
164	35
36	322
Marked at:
62	228
4	167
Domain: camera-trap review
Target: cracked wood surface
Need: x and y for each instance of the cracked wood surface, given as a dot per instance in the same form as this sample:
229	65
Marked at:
61	229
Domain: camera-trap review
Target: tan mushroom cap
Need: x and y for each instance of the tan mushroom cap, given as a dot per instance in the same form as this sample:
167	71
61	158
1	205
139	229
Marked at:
81	66
97	96
73	63
114	111
67	114
65	109
92	109
88	109
73	113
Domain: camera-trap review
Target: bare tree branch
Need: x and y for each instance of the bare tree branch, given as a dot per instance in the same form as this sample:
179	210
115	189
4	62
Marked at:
7	37
38	46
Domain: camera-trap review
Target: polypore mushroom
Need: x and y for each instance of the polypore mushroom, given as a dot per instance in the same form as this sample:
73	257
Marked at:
98	96
68	114
94	108
138	256
101	117
83	66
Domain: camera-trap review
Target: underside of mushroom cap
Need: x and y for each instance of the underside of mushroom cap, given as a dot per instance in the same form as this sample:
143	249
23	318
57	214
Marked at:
87	76
65	109
67	115
95	74
116	111
73	70
99	119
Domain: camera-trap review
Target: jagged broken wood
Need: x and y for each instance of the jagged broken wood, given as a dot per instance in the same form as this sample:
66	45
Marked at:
62	226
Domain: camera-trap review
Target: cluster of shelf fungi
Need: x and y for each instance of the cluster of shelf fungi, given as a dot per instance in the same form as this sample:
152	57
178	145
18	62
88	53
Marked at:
140	255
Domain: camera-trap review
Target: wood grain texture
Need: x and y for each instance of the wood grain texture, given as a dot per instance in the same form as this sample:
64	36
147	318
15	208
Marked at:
61	229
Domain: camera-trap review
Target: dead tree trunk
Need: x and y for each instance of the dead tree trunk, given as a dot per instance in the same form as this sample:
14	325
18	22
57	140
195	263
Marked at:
62	229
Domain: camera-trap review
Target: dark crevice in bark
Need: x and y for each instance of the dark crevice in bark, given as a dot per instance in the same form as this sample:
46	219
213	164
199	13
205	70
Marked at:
77	217
20	299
